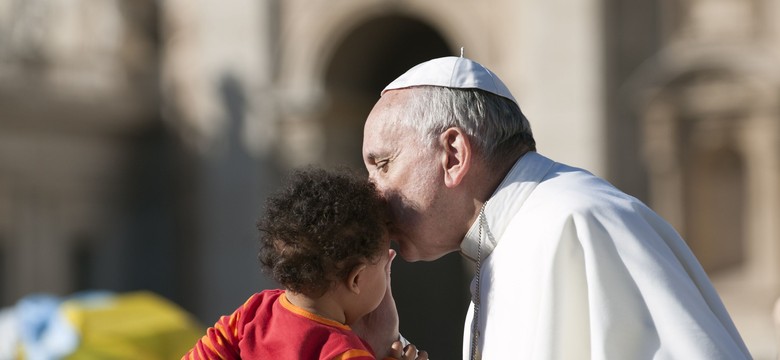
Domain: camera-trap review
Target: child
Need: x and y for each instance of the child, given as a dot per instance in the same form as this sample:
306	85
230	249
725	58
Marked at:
324	238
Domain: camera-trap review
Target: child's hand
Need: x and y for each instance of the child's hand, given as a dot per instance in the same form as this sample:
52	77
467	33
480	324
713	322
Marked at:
407	353
380	327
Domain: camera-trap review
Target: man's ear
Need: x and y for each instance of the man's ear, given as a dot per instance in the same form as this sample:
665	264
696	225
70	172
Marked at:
353	279
456	159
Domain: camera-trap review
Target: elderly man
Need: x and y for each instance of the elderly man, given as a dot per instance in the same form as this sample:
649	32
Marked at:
567	266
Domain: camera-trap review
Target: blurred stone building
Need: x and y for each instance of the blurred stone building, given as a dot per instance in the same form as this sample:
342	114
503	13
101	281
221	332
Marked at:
139	138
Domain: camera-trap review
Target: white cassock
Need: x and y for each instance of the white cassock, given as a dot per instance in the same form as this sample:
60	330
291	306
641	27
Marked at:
572	268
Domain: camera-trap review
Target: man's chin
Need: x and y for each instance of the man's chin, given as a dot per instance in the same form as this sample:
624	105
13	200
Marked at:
409	255
412	255
404	254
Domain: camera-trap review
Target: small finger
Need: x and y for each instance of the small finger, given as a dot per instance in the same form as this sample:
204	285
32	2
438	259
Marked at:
396	350
422	355
410	352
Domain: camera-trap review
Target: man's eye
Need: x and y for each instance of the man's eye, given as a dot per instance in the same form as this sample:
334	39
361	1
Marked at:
382	165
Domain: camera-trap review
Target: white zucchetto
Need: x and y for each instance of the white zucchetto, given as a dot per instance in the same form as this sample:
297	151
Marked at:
452	72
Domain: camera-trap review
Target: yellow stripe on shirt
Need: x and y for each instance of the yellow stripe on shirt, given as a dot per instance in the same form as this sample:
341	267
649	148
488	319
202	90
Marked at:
354	353
309	315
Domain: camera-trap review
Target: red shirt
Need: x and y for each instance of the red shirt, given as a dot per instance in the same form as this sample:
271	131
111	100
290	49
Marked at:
268	326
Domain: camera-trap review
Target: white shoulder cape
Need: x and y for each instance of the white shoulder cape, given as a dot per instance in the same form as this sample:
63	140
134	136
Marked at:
573	268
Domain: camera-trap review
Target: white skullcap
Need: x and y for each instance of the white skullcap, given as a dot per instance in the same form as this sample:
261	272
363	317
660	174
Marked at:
452	72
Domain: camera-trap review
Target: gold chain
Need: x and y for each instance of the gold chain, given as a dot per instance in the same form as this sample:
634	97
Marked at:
476	296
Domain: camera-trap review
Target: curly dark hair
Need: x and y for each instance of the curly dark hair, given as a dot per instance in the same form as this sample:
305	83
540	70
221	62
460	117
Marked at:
318	227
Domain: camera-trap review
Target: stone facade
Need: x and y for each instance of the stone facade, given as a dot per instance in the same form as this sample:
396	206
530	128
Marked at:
138	138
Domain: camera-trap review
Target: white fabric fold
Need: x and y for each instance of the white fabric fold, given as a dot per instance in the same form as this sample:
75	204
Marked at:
580	270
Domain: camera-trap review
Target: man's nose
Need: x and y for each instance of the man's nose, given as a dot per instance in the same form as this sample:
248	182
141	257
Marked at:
379	188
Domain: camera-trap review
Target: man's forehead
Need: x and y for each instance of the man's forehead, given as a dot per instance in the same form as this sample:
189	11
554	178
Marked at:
393	100
392	105
378	138
382	137
373	137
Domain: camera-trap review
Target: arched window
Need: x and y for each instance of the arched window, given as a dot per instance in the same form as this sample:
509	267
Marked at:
367	59
715	207
696	153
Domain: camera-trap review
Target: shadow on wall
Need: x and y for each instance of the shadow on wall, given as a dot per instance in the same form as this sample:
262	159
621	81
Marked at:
231	185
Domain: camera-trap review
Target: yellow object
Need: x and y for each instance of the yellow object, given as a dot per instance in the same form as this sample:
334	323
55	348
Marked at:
139	325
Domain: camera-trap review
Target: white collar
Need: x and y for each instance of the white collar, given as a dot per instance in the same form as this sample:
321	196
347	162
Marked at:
505	202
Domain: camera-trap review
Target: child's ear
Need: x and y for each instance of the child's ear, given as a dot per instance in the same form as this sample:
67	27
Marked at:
353	279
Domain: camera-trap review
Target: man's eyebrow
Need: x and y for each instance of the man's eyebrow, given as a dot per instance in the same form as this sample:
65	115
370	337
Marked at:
372	156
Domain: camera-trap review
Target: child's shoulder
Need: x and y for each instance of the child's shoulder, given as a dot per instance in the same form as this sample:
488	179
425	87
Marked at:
265	296
262	300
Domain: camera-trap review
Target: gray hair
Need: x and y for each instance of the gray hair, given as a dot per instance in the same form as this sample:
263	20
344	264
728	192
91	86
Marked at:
494	124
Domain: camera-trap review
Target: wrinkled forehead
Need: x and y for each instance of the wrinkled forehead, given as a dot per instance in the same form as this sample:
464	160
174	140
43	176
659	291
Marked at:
379	138
388	112
393	103
386	129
